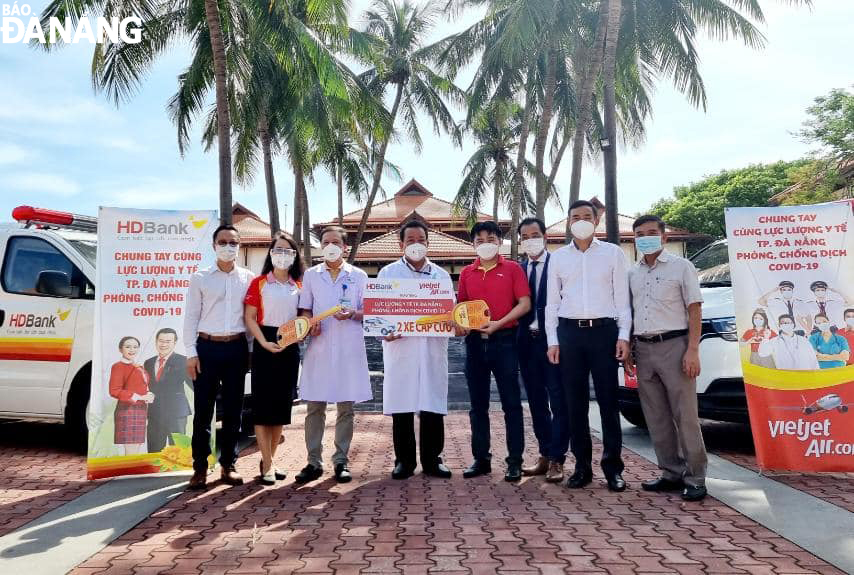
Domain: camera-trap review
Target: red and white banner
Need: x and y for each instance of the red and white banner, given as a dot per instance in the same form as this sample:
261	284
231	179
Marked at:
392	306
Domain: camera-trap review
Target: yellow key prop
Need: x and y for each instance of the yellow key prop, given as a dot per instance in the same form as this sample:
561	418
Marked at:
296	329
468	314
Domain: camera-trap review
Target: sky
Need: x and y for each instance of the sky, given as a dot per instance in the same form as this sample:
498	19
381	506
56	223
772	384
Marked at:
62	146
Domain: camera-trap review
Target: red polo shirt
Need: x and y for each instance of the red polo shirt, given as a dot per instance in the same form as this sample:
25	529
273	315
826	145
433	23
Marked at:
500	287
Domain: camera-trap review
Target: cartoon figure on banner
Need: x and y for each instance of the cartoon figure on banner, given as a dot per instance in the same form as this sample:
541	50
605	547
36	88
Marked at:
831	349
789	350
782	301
827	301
129	385
848	333
759	333
167	376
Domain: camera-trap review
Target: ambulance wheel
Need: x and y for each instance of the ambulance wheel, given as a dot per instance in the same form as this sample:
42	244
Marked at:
634	416
75	410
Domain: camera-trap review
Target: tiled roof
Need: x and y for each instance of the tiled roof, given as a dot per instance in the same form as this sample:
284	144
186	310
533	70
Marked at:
443	247
252	229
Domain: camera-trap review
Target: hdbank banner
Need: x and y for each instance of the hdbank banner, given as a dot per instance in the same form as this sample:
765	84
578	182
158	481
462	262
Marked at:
140	411
793	279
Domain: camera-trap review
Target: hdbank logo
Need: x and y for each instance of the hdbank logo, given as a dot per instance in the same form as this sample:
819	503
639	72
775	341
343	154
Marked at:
18	25
148	227
198	223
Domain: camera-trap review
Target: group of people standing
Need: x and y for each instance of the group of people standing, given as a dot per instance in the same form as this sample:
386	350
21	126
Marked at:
557	318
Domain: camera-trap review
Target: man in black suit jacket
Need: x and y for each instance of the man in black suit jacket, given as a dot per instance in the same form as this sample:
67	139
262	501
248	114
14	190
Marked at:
541	378
167	374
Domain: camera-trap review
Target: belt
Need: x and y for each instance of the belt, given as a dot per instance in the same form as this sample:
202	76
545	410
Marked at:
221	338
662	336
586	323
535	333
501	333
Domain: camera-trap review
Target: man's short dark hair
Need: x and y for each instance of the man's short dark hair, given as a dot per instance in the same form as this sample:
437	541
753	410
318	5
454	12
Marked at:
225	227
529	221
414	224
847	311
785	316
646	219
786	283
164	331
818	284
337	229
581	204
488	226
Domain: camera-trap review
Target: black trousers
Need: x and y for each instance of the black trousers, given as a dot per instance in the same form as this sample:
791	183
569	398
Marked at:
431	438
584	352
223	370
161	427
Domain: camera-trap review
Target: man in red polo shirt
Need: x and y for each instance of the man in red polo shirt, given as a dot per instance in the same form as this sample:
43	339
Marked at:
504	287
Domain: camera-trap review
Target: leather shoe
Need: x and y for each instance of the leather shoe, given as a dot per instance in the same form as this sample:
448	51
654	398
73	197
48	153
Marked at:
555	473
280	475
477	468
694	492
662	484
579	479
514	472
402	471
539	468
616	482
342	474
198	481
308	473
230	476
438	470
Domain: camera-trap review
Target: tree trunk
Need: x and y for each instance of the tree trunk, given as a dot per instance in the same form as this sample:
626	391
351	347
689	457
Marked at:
269	180
609	67
584	97
518	177
222	117
306	221
297	209
543	130
340	182
496	189
378	174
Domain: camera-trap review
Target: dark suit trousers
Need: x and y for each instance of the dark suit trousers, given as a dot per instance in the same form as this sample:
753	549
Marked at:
224	366
431	437
161	427
585	352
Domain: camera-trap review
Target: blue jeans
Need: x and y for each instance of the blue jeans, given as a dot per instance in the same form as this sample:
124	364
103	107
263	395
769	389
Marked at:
496	355
546	398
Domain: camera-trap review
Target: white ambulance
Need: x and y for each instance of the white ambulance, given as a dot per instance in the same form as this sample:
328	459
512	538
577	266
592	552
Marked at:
47	297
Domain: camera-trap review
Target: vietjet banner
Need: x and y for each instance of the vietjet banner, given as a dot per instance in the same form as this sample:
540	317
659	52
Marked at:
140	411
792	274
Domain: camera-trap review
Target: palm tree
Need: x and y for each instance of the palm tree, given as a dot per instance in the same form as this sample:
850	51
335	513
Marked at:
396	31
609	65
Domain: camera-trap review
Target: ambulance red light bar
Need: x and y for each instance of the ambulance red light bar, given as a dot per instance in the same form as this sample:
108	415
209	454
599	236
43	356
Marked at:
29	215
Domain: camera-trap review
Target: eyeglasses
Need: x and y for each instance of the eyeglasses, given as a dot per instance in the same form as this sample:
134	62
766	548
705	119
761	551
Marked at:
282	252
225	243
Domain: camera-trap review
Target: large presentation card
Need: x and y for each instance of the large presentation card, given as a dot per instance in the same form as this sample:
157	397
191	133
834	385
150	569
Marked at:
392	306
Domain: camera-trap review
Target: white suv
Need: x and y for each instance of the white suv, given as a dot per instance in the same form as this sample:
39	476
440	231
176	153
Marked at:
720	386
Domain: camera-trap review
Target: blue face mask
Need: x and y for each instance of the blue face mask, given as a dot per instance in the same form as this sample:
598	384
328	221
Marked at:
648	244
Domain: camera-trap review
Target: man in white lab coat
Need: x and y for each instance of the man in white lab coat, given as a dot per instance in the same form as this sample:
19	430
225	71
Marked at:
335	366
416	370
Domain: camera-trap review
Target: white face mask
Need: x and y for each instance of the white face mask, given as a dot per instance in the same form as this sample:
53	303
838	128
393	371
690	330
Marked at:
415	252
332	253
582	229
486	251
282	261
823	326
788	329
758	322
850	322
533	246
226	253
787	294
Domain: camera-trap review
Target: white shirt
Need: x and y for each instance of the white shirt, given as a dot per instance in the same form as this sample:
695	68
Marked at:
834	307
335	366
790	352
588	285
280	301
662	293
215	304
778	306
541	263
416	368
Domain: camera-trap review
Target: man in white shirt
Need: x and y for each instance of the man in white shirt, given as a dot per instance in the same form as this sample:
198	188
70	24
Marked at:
588	318
789	350
416	370
541	378
217	354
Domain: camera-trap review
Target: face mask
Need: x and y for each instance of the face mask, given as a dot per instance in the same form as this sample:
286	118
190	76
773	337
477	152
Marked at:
282	261
582	229
648	244
226	253
332	253
788	329
486	251
824	326
758	322
820	295
533	246
787	294
850	322
415	252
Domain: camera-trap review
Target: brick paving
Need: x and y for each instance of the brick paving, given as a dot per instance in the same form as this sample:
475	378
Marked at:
38	472
484	525
734	443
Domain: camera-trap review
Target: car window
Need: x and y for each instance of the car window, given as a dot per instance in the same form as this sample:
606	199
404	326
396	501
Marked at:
27	257
713	265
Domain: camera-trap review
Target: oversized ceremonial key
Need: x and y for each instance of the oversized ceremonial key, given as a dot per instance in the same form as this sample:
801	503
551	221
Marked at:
296	329
468	314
